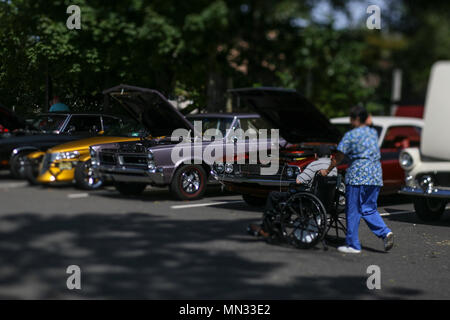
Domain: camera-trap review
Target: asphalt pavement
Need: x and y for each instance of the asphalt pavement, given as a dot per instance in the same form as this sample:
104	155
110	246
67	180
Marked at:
155	247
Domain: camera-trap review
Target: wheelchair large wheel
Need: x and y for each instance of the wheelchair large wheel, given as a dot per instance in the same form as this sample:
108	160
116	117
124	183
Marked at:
303	221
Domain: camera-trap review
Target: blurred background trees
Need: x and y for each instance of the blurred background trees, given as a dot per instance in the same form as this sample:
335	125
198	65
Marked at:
195	50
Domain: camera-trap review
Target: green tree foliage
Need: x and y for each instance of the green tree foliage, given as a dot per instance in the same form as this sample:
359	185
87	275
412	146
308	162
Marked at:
425	28
198	49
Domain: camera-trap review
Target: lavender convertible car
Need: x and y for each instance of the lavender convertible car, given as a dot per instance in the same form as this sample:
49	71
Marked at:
131	166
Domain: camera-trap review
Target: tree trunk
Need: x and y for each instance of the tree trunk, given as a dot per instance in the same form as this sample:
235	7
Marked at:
216	90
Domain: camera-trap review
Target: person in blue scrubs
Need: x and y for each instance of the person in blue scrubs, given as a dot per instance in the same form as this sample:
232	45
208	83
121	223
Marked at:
58	106
363	181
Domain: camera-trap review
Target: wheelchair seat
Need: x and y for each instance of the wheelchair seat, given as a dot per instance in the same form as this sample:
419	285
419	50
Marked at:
324	188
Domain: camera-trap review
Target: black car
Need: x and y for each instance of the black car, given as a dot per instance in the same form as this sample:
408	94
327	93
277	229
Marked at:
45	131
9	122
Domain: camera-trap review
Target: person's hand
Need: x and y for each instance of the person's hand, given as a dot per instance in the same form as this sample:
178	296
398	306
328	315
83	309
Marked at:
324	172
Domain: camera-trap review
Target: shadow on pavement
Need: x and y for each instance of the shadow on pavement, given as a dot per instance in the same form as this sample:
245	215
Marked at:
444	221
239	206
394	199
146	256
160	194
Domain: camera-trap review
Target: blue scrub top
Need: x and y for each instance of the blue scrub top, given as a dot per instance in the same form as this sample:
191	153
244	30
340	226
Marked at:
361	146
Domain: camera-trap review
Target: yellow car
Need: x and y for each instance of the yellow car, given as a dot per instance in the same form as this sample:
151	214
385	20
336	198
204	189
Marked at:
70	162
67	162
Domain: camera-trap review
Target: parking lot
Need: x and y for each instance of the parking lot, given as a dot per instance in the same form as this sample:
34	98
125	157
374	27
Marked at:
154	247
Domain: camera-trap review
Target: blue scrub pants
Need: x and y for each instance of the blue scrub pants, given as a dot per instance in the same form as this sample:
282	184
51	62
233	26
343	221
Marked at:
361	202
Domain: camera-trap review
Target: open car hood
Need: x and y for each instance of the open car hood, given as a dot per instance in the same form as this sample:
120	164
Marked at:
9	119
151	108
295	116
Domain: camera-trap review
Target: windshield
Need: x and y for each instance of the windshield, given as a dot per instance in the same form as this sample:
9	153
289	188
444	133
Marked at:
48	123
126	128
344	127
218	125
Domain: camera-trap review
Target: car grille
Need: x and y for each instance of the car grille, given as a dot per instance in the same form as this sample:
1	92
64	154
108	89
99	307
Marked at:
134	160
107	158
109	150
121	159
248	169
254	170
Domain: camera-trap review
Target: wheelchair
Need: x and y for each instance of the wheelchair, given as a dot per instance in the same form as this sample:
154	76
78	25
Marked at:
307	216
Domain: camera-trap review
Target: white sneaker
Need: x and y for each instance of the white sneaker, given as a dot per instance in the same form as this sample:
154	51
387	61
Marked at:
347	249
388	241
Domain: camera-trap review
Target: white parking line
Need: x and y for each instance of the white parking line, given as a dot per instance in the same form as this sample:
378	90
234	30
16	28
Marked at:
9	185
384	214
77	195
183	206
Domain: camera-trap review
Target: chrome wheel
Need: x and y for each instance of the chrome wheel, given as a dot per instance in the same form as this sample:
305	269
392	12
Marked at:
190	181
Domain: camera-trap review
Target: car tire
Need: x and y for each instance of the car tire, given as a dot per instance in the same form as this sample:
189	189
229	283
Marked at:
428	209
31	173
17	165
84	176
254	201
189	182
130	188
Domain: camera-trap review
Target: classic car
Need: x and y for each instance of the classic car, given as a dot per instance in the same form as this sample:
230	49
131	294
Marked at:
131	166
70	162
301	125
427	168
50	129
395	134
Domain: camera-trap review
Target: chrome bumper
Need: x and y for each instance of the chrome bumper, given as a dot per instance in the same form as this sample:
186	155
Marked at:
434	193
262	182
124	174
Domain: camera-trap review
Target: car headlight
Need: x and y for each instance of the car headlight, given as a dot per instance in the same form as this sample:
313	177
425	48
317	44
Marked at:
406	160
219	167
65	155
229	168
93	155
151	165
150	160
292	171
